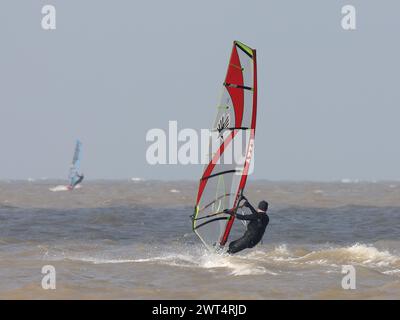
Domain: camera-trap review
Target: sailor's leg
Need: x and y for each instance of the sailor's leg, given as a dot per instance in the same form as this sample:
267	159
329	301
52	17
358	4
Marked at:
238	245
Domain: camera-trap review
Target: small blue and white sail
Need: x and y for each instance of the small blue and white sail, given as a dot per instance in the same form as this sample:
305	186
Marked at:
75	165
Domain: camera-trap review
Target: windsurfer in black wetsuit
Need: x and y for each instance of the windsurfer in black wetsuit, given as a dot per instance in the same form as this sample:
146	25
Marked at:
80	179
258	221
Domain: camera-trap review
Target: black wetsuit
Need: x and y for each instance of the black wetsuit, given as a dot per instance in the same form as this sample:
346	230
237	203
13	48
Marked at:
78	181
258	221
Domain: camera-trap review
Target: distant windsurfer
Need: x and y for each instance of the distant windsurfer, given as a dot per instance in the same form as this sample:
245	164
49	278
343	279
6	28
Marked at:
78	181
258	221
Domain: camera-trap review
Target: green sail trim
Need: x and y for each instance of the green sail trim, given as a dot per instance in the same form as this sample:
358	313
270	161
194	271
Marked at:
244	48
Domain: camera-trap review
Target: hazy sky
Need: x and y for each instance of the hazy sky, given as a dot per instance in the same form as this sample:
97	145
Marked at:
328	98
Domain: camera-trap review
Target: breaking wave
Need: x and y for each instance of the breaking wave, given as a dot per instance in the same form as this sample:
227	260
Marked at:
264	260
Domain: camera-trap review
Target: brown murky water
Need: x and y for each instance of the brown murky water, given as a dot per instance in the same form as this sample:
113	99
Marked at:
133	240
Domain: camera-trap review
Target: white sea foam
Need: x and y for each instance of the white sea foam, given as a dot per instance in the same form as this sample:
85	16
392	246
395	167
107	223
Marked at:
360	254
392	272
370	255
200	259
346	180
59	188
63	188
262	260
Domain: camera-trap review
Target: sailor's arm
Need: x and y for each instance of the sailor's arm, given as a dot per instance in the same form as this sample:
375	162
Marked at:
252	216
248	205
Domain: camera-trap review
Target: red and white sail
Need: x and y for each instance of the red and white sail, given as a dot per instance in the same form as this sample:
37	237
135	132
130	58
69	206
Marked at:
224	176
